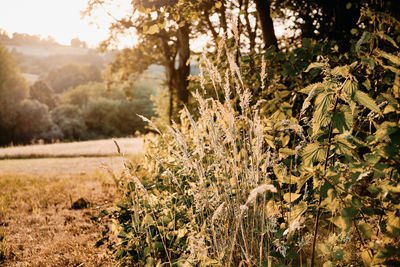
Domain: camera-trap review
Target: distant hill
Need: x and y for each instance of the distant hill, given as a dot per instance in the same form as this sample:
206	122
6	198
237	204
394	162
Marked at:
38	59
48	50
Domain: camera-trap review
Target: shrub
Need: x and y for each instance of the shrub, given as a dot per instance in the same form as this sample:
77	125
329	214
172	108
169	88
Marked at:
275	182
70	122
32	121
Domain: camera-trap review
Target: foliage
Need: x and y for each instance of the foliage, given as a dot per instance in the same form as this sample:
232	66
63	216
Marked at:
33	120
70	122
83	112
41	92
307	172
45	60
71	75
93	111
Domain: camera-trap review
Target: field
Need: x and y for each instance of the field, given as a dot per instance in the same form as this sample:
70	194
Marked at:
38	226
97	148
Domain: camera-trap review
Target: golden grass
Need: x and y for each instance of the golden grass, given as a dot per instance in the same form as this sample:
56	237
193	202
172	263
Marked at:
40	228
62	167
97	148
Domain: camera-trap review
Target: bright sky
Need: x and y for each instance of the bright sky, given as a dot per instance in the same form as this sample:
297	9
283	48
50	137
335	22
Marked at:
59	18
62	20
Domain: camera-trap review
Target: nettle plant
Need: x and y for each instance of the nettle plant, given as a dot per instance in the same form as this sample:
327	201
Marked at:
243	182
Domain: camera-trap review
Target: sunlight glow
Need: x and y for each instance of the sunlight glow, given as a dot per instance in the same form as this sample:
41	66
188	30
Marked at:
58	18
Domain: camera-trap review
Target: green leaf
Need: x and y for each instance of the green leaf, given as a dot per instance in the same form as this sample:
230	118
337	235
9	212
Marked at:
291	197
366	230
349	212
331	203
316	65
341	71
392	69
389	109
343	120
120	254
147	220
342	223
392	58
365	100
393	224
369	61
287	151
367	257
311	153
298	210
321	115
317	87
364	38
282	175
338	254
350	88
328	264
367	84
344	147
388	38
372	158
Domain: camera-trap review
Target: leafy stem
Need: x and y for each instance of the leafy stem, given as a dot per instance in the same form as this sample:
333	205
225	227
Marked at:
335	104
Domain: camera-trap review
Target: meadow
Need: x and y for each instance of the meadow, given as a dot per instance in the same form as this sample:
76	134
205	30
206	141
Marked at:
38	226
96	148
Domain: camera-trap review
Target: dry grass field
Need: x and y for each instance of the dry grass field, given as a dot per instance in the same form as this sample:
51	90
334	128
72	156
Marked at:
62	167
97	148
38	226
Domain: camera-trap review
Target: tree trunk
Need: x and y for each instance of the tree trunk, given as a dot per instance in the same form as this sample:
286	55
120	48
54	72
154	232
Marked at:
267	26
183	71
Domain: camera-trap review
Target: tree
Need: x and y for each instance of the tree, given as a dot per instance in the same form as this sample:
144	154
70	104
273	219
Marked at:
33	120
71	75
41	92
70	122
333	20
267	26
13	89
163	29
76	42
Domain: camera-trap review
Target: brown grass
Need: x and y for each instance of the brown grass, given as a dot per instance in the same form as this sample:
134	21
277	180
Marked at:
40	227
62	167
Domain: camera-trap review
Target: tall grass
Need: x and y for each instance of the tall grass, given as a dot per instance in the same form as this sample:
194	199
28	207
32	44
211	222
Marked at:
212	199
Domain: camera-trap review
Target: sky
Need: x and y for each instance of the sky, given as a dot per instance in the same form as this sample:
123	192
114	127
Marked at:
59	18
62	20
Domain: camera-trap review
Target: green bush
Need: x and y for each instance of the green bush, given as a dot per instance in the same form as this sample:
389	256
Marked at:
95	111
70	122
297	175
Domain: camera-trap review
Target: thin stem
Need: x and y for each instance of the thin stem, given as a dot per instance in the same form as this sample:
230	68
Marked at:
325	167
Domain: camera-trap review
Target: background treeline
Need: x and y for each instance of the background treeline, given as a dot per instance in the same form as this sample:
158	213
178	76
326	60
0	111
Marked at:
68	102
